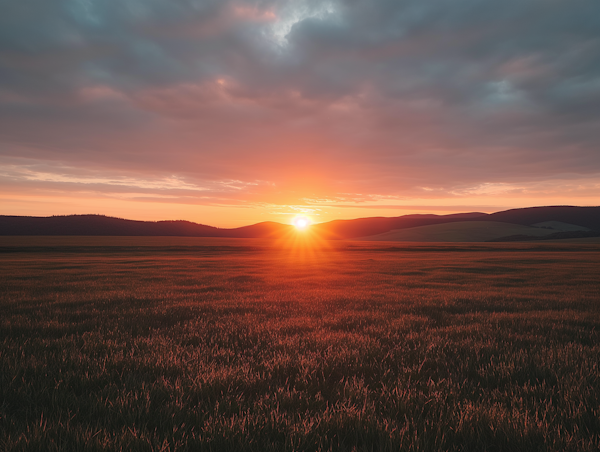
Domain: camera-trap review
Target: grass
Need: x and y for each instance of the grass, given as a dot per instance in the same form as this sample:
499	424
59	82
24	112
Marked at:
230	345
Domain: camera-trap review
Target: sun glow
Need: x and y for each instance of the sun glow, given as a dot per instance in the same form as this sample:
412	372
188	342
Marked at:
304	241
301	222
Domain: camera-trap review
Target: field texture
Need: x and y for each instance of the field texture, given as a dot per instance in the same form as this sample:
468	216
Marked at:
243	346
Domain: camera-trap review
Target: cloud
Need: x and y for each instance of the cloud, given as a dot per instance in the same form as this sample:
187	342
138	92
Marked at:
316	98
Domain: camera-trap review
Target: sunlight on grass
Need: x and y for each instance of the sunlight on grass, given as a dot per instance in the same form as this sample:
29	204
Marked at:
300	346
303	243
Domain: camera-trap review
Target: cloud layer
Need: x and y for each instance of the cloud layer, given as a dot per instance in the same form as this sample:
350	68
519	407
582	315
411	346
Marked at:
300	103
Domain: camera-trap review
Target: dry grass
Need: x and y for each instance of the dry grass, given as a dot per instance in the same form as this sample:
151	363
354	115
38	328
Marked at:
252	348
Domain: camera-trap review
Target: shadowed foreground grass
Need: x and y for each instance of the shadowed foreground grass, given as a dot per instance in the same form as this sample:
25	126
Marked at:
256	349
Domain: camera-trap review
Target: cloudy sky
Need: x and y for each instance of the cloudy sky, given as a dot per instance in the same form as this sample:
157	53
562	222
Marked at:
234	112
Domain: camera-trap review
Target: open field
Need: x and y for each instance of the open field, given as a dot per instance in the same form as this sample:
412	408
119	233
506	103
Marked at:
155	344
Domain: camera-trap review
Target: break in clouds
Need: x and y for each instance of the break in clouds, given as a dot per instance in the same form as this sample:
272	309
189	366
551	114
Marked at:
222	102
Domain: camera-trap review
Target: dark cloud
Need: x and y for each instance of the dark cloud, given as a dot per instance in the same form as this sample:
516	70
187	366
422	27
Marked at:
383	96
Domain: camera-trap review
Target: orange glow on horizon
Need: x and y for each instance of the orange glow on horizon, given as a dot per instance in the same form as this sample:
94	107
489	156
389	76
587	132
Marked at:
245	213
302	244
302	222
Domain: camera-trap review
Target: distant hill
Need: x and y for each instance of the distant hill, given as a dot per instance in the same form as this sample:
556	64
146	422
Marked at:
563	235
361	227
100	225
564	219
559	226
462	231
588	217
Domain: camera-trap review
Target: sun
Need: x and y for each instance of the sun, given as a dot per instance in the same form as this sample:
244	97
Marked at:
301	222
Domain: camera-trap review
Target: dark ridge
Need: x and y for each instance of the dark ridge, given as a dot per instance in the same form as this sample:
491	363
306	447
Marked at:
142	250
102	226
555	236
588	217
462	216
267	229
364	227
99	225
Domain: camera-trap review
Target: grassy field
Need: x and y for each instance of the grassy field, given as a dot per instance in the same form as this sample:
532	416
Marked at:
243	345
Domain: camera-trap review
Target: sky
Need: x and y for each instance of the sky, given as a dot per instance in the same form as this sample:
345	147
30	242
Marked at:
229	113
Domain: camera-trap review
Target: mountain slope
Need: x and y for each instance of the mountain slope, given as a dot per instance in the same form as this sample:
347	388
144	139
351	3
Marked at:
101	225
588	217
361	227
559	226
98	225
463	231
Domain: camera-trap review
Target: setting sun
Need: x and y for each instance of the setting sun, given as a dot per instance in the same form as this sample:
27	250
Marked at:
301	222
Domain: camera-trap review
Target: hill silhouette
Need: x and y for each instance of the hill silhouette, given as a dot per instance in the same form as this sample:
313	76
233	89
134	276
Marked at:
460	231
362	227
99	225
588	217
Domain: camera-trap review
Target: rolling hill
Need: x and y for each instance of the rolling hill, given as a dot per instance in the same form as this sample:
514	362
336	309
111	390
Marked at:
588	217
559	226
566	221
361	227
99	225
463	231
